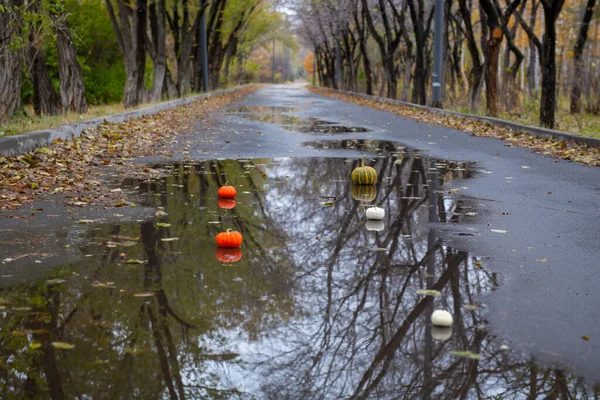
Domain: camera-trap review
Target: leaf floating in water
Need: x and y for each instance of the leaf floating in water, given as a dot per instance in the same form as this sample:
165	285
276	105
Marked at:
433	293
471	214
378	249
35	345
21	308
55	281
173	239
585	337
163	224
467	354
104	285
542	260
63	345
498	230
160	213
127	243
133	261
214	222
144	294
85	221
470	306
504	347
327	203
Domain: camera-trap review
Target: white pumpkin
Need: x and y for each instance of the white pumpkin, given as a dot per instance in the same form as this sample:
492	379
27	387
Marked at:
376	226
376	213
441	318
441	333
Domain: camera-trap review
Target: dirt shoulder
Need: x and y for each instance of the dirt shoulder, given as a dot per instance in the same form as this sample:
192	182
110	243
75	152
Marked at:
75	170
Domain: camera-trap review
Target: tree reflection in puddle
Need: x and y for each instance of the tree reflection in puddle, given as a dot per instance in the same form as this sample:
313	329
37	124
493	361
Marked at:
316	306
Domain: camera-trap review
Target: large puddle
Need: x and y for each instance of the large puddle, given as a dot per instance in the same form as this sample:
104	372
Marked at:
319	303
286	118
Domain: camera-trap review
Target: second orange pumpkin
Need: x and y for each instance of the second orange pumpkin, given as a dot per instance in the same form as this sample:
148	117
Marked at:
229	239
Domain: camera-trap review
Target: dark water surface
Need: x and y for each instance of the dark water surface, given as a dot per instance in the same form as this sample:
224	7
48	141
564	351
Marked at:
319	303
286	117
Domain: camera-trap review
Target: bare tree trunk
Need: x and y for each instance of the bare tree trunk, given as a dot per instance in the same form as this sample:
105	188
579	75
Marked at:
158	28
140	27
45	99
131	37
492	56
531	69
72	89
11	62
418	19
552	9
476	74
578	57
407	78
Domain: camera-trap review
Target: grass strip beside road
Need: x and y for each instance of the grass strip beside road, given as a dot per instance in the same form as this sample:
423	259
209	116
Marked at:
76	169
578	152
31	122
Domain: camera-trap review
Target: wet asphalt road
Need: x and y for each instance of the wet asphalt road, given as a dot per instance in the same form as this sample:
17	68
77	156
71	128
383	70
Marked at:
550	210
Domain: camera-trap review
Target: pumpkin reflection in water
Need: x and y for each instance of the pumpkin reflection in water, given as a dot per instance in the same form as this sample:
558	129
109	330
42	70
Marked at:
227	204
364	192
229	255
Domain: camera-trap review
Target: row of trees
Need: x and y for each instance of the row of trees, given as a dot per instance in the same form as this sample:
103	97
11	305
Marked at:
485	44
22	25
158	42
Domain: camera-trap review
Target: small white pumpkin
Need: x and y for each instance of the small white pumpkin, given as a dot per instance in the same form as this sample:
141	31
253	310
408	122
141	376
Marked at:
376	213
441	318
441	333
376	226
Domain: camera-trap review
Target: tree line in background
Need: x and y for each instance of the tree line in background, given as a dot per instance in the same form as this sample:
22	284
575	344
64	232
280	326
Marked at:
61	54
539	47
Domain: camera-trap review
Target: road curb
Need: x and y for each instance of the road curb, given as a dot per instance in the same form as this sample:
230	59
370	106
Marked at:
15	145
515	127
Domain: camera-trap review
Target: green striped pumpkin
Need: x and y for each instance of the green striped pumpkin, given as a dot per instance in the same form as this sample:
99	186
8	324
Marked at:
364	175
364	192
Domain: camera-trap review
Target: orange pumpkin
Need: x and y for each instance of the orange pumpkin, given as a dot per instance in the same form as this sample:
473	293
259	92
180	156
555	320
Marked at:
229	255
227	204
229	239
226	192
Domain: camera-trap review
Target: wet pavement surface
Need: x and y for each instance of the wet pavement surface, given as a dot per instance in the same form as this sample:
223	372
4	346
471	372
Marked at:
319	302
